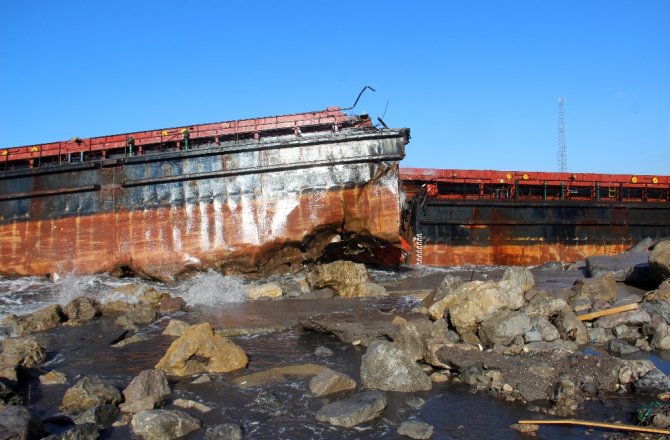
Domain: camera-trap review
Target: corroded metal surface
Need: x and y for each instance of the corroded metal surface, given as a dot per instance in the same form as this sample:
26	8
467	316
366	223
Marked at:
166	213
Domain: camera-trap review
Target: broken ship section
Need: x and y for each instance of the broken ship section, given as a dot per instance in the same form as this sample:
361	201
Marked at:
459	217
230	203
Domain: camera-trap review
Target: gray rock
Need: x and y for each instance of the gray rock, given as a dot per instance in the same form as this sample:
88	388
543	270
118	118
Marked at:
661	308
659	261
102	416
633	317
598	335
416	429
149	387
87	393
617	346
642	245
44	319
353	411
23	351
502	327
225	431
532	336
652	382
329	381
630	267
661	339
20	424
410	335
603	288
349	327
82	309
386	367
141	314
448	285
86	431
547	329
570	327
544	305
322	351
415	402
163	424
620	331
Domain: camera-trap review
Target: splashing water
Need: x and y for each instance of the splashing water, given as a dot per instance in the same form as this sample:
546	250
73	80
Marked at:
213	289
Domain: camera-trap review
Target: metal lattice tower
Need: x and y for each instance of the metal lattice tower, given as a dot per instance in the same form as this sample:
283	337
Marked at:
562	156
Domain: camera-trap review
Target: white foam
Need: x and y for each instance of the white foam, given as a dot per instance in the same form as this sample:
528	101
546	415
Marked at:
213	289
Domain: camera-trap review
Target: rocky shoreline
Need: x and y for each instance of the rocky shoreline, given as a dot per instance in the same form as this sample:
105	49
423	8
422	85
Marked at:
512	338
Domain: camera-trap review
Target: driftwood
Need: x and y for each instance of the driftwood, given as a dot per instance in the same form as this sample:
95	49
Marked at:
606	312
615	426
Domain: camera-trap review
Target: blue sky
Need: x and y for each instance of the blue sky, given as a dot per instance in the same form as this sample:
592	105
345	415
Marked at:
476	81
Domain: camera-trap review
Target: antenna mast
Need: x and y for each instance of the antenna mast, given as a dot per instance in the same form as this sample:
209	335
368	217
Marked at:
562	156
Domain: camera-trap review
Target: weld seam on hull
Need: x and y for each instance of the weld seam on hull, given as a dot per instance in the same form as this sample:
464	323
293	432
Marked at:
51	192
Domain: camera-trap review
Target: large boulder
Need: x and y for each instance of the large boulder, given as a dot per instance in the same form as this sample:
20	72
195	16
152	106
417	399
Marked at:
22	351
448	285
603	288
476	300
661	338
81	310
84	431
387	367
200	350
515	282
547	330
347	278
353	411
89	392
570	327
43	319
163	424
141	314
659	261
410	335
145	391
630	267
102	415
329	381
633	317
503	327
17	423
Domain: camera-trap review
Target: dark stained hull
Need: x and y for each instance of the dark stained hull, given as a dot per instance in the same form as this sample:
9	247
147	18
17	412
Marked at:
218	205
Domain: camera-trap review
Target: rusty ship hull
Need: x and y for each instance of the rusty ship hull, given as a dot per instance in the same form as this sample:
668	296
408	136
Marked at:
216	200
461	217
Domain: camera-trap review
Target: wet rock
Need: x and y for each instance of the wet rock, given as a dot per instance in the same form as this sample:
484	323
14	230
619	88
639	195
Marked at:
267	290
117	307
619	347
411	334
141	314
353	411
140	337
17	352
329	381
145	391
17	423
322	351
661	339
603	288
200	350
44	319
363	290
660	308
350	327
171	305
544	305
661	294
8	396
153	298
278	374
570	327
415	402
652	382
337	275
53	378
103	416
163	424
387	367
598	335
324	293
87	393
225	431
634	317
659	261
191	404
203	378
526	428
434	302
546	329
86	431
81	310
176	327
632	267
502	327
415	429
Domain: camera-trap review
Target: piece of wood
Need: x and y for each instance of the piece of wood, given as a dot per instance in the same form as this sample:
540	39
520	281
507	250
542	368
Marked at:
615	426
606	312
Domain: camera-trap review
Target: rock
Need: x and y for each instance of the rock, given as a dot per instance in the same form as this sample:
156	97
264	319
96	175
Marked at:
619	347
22	351
361	290
661	421
661	339
44	319
153	298
603	288
642	245
141	314
102	416
630	267
659	261
163	424
526	428
140	337
150	387
267	290
652	382
204	378
8	396
87	393
502	327
515	282
532	336
661	294
322	351
200	350
337	275
324	293
353	411
415	402
660	308
439	377
329	381
448	285
17	423
116	307
450	293
411	334
634	317
546	329
278	374
85	431
597	335
191	404
544	305
171	305
387	367
570	327
225	431
53	378
415	429
350	326
176	327
81	310
475	300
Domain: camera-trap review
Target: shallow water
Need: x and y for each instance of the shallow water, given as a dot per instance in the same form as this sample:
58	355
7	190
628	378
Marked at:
454	410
